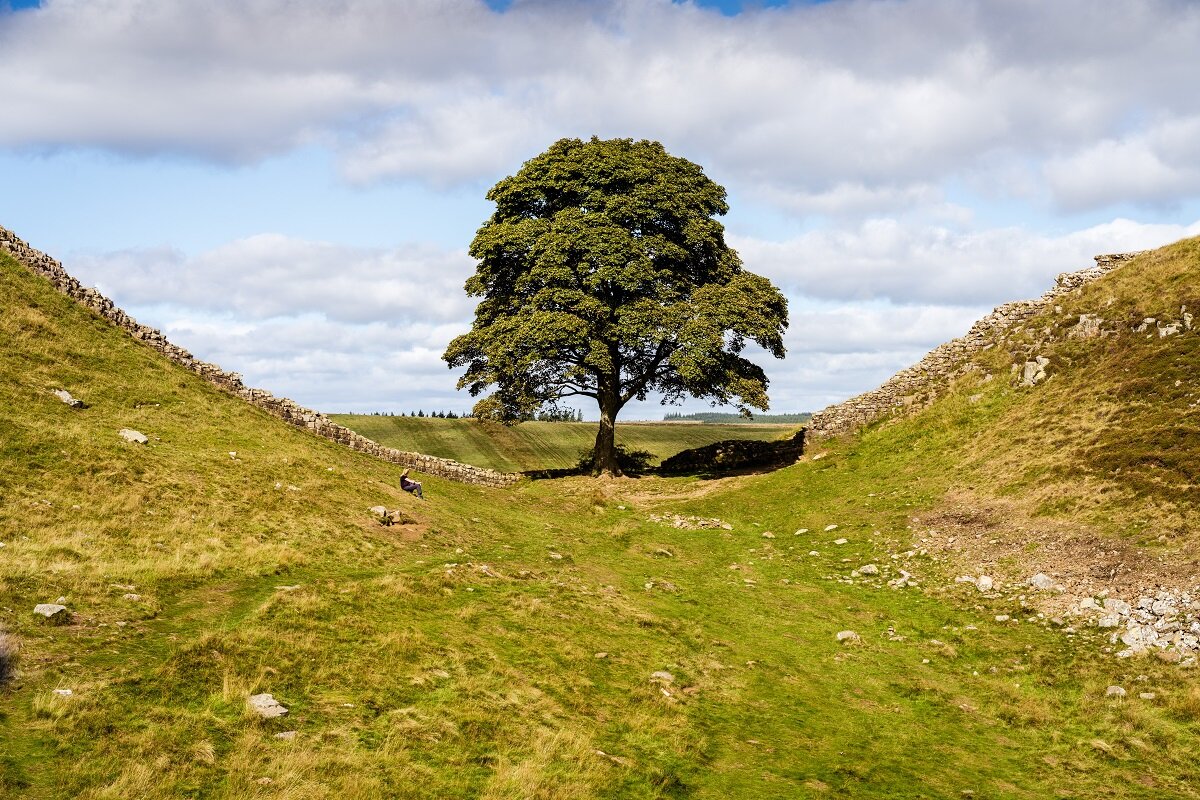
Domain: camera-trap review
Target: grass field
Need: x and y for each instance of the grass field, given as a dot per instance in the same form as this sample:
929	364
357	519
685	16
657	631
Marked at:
542	445
513	643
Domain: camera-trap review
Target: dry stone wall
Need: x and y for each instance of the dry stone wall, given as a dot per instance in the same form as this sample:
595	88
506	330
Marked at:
281	407
929	376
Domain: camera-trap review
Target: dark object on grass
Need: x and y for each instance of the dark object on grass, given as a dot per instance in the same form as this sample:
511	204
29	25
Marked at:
735	455
409	485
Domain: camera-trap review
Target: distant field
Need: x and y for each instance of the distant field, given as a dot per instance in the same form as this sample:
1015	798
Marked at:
540	445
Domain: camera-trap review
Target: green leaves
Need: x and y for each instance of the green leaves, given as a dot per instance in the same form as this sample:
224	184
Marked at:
602	273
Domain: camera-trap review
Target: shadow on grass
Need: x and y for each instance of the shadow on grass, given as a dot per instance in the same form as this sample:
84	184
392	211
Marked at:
719	460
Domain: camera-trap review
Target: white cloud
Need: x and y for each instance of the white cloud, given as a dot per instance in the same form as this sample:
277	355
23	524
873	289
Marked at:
835	106
271	275
884	259
1156	165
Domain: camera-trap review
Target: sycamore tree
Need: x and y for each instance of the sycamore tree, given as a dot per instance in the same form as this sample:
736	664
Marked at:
604	274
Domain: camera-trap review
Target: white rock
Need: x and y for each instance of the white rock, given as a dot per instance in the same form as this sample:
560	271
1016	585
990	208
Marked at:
768	535
1043	581
1164	608
130	435
1088	604
1002	618
266	706
65	396
829	528
53	612
965	579
840	541
286	736
868	569
1109	621
661	676
131	596
847	636
1114	691
985	583
800	532
63	692
1115	605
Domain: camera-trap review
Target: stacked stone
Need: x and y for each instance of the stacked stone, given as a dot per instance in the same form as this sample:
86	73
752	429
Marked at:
917	386
281	407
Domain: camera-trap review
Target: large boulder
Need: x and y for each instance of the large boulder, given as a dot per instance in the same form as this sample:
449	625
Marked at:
53	613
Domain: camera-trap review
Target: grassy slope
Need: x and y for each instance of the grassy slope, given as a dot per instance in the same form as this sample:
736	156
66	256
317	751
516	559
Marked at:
540	445
411	672
1112	439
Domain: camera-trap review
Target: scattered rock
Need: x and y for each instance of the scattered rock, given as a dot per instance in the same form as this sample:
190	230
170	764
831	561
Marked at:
840	541
1034	371
868	569
829	528
1044	582
65	396
690	523
63	692
661	676
848	636
985	583
601	655
132	597
130	435
1114	691
1003	618
266	706
54	613
1115	605
768	535
286	736
1147	695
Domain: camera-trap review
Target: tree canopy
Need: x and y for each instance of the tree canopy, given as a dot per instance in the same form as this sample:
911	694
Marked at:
604	274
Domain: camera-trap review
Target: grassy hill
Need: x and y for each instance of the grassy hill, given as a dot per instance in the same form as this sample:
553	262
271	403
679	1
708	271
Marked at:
561	639
540	445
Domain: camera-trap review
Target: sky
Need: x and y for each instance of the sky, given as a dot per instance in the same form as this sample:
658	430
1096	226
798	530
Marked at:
289	189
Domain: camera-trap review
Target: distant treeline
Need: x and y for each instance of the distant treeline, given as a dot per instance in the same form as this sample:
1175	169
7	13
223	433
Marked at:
417	413
549	415
726	419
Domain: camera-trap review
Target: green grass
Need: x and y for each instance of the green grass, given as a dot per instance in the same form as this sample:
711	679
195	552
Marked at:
541	445
412	671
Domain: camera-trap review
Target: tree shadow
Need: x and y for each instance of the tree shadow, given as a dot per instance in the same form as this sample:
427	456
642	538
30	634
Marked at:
725	459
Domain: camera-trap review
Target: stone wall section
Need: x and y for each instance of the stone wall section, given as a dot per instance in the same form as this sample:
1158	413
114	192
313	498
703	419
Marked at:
281	407
932	374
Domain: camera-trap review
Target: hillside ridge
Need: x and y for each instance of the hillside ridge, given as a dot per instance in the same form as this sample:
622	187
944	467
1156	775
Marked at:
288	410
914	387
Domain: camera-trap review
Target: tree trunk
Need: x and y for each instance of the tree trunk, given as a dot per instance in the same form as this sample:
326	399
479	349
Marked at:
604	456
